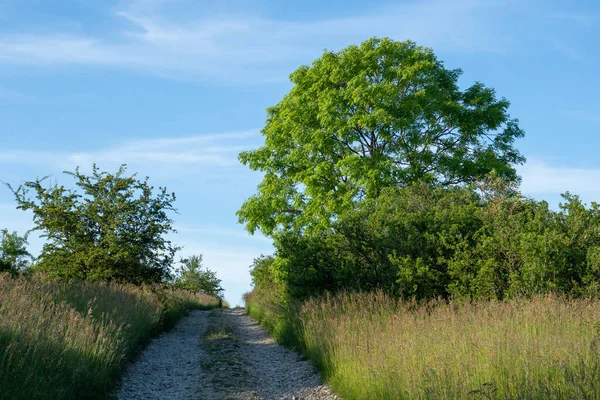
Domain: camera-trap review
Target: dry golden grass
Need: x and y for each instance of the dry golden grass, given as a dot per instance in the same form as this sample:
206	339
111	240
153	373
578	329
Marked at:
372	347
60	341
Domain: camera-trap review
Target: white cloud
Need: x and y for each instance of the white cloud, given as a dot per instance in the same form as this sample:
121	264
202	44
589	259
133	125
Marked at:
191	152
240	48
11	96
541	179
193	140
26	157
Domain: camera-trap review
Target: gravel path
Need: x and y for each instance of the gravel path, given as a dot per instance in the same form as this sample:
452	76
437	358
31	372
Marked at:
169	368
221	354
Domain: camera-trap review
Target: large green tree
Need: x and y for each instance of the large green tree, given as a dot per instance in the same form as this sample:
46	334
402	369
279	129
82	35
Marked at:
382	114
109	227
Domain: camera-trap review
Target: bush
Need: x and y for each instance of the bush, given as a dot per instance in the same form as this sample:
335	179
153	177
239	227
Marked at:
427	242
14	256
111	227
270	305
196	279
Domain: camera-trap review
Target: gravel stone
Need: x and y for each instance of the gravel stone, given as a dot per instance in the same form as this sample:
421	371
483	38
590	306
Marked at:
261	368
169	368
221	354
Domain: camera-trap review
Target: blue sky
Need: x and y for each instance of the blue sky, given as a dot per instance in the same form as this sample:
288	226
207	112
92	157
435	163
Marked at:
175	89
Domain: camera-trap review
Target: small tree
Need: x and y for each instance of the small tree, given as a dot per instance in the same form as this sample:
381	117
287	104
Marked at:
14	256
193	277
111	227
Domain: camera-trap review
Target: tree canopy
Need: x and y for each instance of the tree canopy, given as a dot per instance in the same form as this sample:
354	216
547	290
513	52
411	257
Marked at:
435	242
195	278
381	114
14	256
110	227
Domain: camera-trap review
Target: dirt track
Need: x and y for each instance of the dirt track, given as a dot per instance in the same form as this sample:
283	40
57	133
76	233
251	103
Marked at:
220	354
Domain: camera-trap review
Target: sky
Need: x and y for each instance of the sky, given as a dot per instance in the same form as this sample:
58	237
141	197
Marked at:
176	89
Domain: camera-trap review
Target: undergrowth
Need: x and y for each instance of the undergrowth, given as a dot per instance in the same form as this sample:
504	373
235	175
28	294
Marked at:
72	341
370	346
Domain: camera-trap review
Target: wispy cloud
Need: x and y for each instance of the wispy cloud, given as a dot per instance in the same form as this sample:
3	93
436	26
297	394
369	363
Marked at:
210	150
541	178
7	95
26	157
236	48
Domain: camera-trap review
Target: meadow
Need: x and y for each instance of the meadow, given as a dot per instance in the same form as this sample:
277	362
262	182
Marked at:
372	346
73	341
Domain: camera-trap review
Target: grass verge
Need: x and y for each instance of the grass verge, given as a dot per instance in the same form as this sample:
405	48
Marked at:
73	341
371	346
222	362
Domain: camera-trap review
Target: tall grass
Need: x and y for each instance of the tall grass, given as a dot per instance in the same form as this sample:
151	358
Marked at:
72	341
281	319
370	346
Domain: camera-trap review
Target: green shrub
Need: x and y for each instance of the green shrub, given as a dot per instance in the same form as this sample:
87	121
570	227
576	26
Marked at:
426	242
192	276
14	256
109	227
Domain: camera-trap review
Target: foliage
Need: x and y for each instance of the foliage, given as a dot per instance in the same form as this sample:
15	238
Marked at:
382	114
112	227
72	340
407	264
194	278
14	256
269	303
524	248
279	318
428	242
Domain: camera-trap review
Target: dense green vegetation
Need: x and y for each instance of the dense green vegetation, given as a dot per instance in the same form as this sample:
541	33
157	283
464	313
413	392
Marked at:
192	276
110	227
423	242
371	345
72	340
382	114
392	190
103	285
14	256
